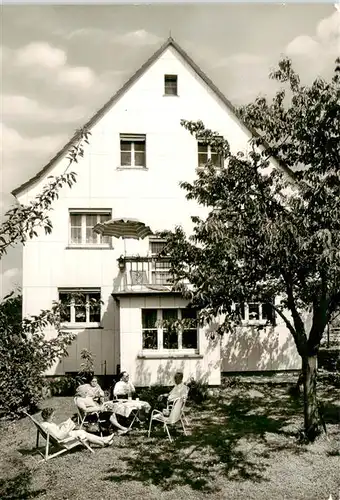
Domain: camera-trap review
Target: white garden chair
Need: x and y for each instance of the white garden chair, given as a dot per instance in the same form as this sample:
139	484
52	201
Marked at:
175	416
84	414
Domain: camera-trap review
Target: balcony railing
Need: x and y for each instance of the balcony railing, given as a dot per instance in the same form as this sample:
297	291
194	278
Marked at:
144	273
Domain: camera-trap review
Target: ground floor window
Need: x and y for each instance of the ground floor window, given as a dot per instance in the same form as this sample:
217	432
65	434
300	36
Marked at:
174	329
255	312
81	306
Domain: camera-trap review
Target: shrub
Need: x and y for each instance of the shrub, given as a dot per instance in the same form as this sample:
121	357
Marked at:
62	386
86	371
25	354
198	391
151	394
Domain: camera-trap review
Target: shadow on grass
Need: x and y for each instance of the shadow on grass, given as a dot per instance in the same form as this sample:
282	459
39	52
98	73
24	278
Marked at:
233	438
19	487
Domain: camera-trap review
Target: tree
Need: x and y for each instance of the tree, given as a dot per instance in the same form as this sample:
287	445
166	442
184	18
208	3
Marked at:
270	232
22	221
25	353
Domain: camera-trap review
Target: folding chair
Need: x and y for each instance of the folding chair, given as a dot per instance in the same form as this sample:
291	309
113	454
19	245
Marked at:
63	444
83	415
185	398
175	416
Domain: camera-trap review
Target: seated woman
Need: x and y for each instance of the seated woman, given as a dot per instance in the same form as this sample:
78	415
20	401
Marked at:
66	431
88	405
92	389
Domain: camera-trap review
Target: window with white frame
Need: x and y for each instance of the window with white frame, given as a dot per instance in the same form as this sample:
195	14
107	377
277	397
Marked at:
255	312
133	150
81	306
169	329
206	153
81	224
170	84
156	246
160	270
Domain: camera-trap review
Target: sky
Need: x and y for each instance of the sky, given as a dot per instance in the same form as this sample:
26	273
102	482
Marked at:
60	63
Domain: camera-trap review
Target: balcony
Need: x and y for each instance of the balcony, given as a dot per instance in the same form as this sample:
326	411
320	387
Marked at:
143	274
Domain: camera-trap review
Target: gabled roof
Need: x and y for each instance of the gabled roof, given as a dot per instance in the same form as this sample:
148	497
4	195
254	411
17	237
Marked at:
170	42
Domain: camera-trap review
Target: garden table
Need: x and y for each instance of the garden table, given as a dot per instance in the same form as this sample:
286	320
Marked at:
126	407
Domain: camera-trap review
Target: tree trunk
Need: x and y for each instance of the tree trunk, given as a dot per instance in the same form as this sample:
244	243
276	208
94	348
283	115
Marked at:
311	414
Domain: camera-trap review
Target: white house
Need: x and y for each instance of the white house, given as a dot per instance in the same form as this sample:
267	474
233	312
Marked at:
137	155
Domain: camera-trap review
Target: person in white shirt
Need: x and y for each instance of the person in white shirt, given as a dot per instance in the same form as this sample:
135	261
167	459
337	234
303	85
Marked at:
65	431
180	390
124	387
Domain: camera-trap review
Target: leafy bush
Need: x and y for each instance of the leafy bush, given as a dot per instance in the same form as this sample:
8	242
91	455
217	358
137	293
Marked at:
25	354
86	371
62	386
151	394
198	391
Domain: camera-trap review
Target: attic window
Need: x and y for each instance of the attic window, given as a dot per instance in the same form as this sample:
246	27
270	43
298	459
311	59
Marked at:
170	84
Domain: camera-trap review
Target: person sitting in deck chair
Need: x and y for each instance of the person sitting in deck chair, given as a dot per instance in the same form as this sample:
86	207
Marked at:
87	405
66	430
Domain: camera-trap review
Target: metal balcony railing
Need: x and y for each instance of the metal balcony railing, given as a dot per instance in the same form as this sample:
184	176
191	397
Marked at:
143	273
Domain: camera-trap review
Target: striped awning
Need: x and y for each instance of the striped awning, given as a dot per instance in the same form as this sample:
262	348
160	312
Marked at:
123	228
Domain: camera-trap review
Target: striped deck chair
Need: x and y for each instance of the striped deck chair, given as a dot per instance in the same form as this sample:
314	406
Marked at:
62	445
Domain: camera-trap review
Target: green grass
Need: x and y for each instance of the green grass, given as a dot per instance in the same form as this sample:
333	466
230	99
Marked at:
241	445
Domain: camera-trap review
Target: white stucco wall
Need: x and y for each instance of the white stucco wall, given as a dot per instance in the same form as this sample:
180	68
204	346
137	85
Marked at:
152	195
148	367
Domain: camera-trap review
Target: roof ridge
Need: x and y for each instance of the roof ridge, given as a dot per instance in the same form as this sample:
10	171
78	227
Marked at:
170	41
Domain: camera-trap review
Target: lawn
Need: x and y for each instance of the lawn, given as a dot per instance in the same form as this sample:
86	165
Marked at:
241	445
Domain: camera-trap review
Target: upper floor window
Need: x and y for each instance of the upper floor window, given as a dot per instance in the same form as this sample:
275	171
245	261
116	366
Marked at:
81	227
160	330
160	270
156	246
132	150
170	84
255	312
206	153
81	307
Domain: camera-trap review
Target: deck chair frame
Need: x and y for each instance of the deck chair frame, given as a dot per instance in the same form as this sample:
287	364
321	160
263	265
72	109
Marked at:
52	441
158	416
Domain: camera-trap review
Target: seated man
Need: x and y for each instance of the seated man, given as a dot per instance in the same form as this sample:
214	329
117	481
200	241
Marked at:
66	431
88	405
180	390
123	388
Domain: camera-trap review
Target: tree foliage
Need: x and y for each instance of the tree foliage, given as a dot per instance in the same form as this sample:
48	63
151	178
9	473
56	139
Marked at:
22	221
269	232
25	353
